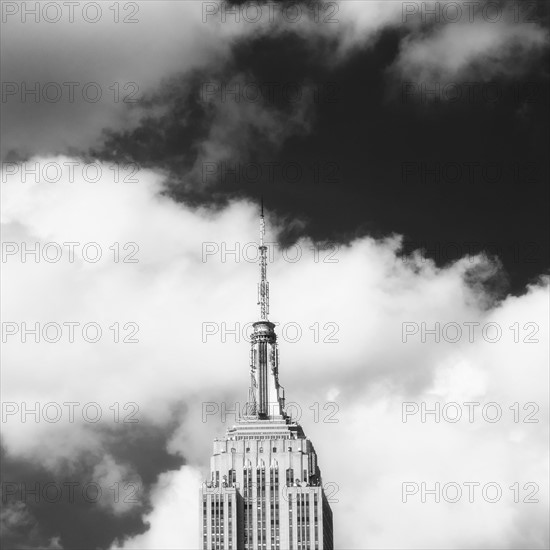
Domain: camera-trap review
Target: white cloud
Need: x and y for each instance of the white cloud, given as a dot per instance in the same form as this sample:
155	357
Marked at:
175	516
481	49
366	295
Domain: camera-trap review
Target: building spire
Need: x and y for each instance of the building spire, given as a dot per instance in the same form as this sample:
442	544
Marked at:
266	396
263	285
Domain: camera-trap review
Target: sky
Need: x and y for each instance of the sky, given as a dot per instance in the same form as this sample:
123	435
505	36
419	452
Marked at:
401	150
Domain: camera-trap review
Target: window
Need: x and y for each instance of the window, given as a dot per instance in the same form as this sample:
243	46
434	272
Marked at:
289	477
290	519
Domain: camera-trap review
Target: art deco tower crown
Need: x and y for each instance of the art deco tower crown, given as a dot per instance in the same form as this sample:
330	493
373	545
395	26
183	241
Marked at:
264	490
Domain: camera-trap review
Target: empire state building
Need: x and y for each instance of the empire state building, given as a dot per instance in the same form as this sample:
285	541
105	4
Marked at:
265	490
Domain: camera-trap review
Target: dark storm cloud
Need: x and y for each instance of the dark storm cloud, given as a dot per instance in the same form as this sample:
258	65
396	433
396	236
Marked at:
80	506
215	129
382	154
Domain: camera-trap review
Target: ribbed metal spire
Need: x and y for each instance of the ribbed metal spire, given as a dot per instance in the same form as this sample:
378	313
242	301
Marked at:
263	285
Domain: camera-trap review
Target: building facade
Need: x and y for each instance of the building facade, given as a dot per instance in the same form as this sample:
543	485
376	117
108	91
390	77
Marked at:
265	490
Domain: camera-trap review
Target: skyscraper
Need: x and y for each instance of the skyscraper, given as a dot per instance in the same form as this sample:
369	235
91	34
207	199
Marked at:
265	490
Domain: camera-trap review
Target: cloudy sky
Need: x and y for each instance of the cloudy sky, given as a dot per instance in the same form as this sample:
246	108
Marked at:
402	152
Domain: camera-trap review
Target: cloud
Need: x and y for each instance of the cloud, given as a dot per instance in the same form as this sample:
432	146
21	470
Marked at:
480	50
109	473
118	62
175	516
214	127
239	129
50	91
437	40
194	283
65	497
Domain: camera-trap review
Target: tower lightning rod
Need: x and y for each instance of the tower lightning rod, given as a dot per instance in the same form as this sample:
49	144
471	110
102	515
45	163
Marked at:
263	286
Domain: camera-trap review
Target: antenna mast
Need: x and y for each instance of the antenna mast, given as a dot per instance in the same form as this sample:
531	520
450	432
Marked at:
263	286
